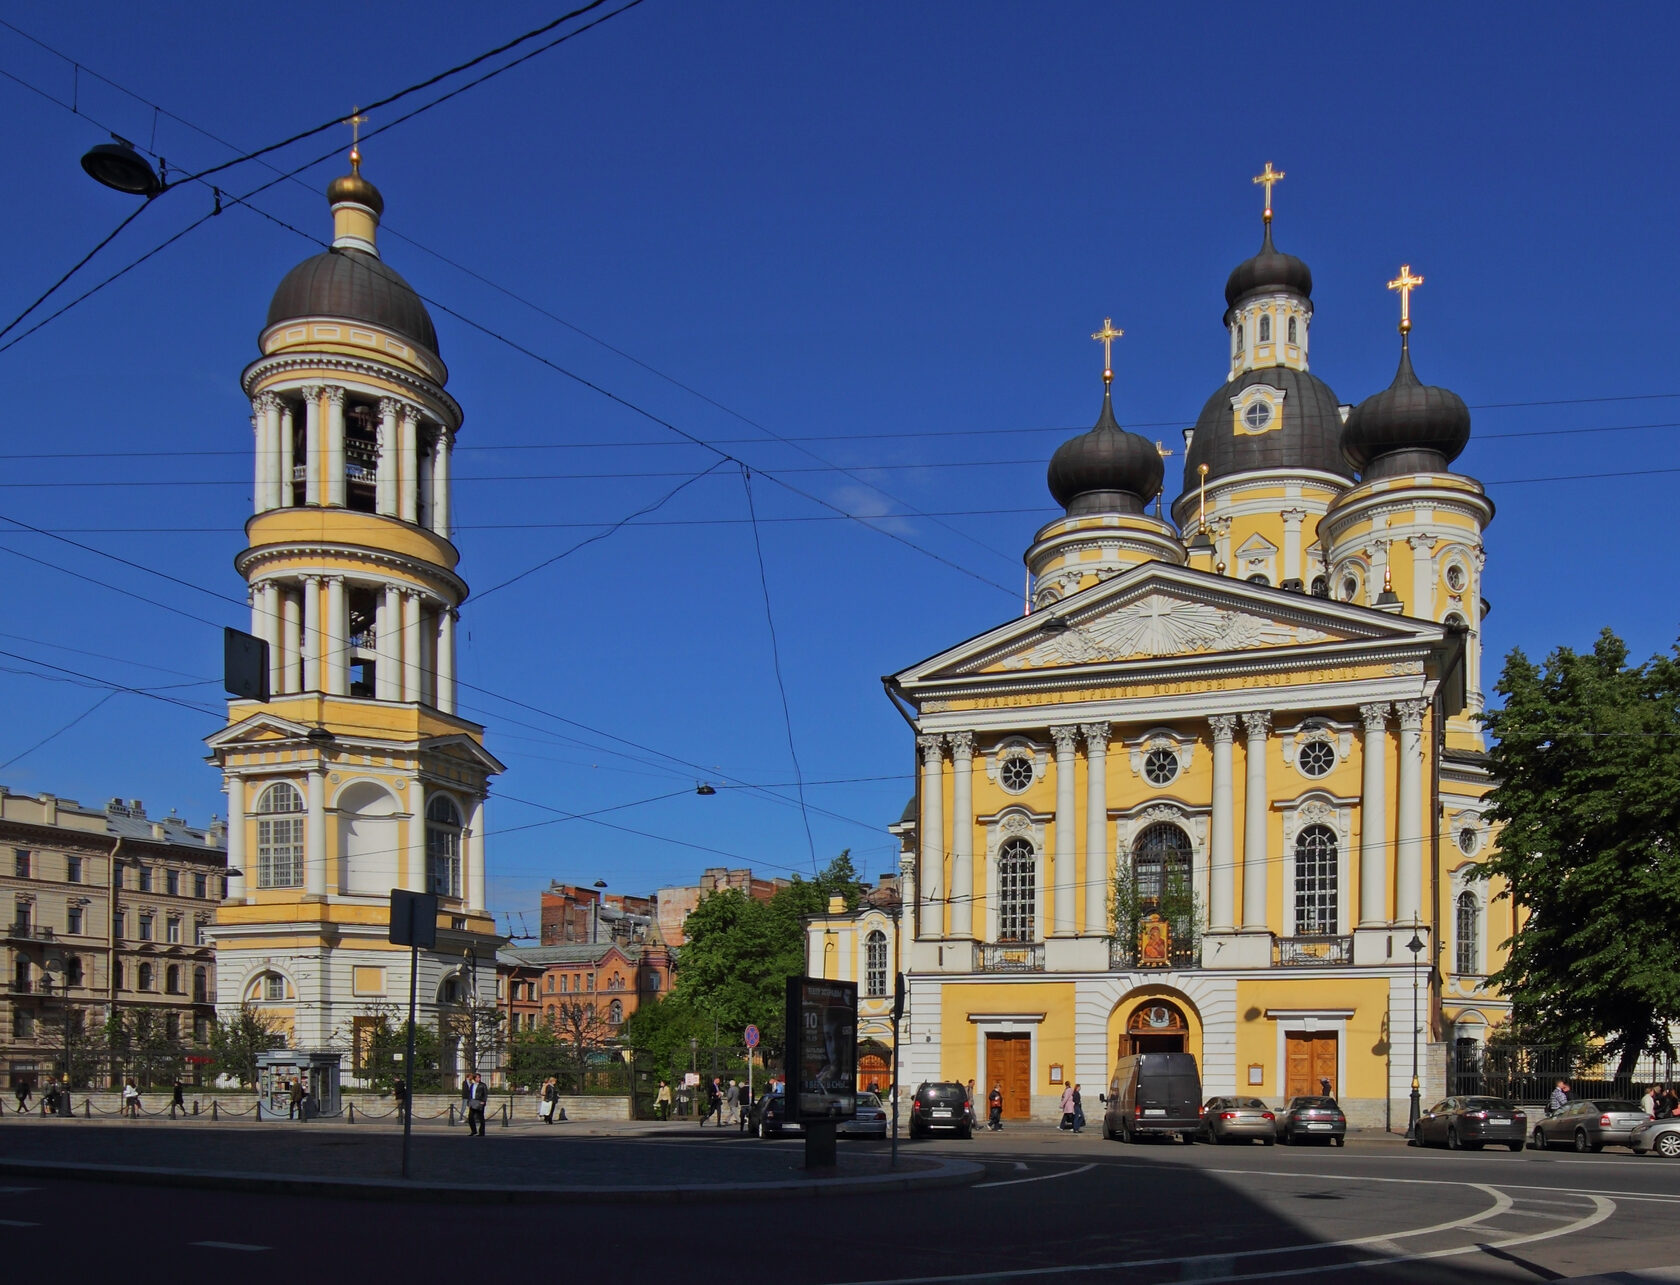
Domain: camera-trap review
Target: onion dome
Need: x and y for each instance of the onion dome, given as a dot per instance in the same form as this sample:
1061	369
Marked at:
1409	427
353	187
1309	435
1270	269
1106	470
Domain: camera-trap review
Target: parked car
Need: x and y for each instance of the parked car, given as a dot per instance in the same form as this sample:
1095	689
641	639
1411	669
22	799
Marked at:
1312	1119
1153	1093
1661	1135
1238	1120
769	1117
941	1105
1469	1123
870	1122
1590	1125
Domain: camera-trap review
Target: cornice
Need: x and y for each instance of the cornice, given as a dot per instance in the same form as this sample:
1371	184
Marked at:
249	563
311	363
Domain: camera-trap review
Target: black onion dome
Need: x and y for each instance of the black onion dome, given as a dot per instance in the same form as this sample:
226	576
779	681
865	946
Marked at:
1310	436
356	286
1271	269
1409	427
1106	470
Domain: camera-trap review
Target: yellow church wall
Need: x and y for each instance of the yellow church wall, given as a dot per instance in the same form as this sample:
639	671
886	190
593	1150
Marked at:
960	1040
1365	1049
382	345
315	524
1141	997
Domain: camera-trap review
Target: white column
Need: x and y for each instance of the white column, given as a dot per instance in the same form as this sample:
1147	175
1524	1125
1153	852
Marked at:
311	634
286	453
441	446
1373	819
273	633
336	648
474	882
1222	855
1292	519
335	445
271	450
315	836
408	458
417	839
962	833
932	830
1256	813
385	488
291	642
446	660
1096	828
1408	822
426	465
1067	841
236	837
312	491
411	645
428	657
1423	577
389	638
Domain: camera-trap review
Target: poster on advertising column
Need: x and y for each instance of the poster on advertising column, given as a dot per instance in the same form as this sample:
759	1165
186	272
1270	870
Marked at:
821	1049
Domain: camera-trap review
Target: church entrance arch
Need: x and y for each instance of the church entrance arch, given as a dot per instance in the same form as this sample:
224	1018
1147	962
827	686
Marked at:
1155	1026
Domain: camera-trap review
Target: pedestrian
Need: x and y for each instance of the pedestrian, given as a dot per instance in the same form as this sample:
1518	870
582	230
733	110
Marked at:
1078	1111
49	1098
662	1101
973	1111
399	1095
714	1103
1560	1098
550	1094
478	1097
130	1098
1067	1109
1324	1086
294	1095
1648	1103
994	1109
21	1088
178	1099
1671	1101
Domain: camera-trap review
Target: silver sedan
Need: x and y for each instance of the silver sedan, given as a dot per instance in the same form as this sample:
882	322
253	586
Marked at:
870	1122
1661	1135
1238	1120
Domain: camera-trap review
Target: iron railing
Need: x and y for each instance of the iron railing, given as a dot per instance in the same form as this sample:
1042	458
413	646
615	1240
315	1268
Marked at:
1526	1073
1009	957
1312	952
23	929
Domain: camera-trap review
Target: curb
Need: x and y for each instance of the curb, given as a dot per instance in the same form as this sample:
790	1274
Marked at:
938	1173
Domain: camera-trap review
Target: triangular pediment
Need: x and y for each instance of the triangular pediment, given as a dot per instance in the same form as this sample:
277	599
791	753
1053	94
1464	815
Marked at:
465	749
258	729
1158	612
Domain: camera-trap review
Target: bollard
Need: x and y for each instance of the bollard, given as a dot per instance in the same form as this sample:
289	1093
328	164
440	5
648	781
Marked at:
350	1110
506	1107
195	1106
215	1108
451	1115
87	1110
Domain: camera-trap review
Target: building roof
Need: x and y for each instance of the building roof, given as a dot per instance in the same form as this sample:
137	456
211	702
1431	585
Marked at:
582	952
1309	437
1106	470
1409	427
356	286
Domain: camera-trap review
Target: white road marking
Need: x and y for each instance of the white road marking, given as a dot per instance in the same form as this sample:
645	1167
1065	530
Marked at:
1021	1165
10	1222
227	1244
1045	1177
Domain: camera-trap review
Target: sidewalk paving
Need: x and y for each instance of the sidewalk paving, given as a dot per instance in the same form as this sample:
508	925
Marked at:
600	1161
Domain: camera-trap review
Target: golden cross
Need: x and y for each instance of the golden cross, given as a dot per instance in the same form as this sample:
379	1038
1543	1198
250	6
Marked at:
1106	337
1405	283
1267	177
355	120
1161	450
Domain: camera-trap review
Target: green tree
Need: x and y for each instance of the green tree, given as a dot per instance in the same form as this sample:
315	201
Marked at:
235	1043
1587	756
387	1053
660	1033
1178	904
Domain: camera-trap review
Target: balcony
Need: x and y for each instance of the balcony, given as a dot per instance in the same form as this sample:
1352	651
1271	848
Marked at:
1009	957
21	986
1180	953
1312	952
23	930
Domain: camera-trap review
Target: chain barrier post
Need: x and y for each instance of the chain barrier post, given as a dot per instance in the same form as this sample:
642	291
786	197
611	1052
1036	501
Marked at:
215	1107
451	1115
505	1111
350	1107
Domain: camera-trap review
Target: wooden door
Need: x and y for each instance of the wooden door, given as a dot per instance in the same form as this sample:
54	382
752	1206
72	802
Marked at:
1310	1059
1009	1063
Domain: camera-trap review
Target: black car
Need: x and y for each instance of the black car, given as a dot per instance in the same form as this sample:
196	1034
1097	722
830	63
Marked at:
769	1117
941	1105
1470	1122
1311	1119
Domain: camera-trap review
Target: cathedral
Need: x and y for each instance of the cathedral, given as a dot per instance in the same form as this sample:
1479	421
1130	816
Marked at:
1221	788
356	776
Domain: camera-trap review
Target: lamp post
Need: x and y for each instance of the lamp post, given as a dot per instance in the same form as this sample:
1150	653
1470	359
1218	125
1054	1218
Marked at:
1415	945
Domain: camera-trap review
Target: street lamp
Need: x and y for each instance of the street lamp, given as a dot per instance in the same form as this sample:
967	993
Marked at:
119	167
1415	945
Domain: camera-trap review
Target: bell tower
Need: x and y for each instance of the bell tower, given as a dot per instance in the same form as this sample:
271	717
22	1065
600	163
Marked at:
356	776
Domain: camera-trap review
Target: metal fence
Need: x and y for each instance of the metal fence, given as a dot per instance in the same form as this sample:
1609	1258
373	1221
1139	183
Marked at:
1527	1073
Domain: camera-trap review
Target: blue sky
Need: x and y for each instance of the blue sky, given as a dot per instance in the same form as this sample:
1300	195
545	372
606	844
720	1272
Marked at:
886	231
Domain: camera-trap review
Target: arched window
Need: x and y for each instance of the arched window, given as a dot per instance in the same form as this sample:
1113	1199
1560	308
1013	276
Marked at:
172	979
615	1013
1292	331
1265	329
73	971
443	847
1317	874
280	837
1160	863
144	979
875	963
1239	337
1467	920
1017	891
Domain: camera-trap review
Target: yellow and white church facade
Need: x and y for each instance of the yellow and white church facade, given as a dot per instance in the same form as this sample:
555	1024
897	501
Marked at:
1225	771
357	775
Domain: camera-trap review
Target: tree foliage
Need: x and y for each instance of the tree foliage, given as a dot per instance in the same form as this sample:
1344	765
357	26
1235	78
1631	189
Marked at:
387	1053
1587	754
235	1043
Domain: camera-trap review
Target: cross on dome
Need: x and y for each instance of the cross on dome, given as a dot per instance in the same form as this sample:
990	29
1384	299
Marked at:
1106	337
1267	178
1405	283
355	120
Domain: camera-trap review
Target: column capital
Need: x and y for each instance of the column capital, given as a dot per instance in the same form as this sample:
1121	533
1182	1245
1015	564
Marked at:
1258	724
962	746
1095	734
311	579
263	402
1410	713
335	393
1293	515
907	866
334	580
390	406
1224	727
1375	716
311	392
1066	738
1423	540
932	746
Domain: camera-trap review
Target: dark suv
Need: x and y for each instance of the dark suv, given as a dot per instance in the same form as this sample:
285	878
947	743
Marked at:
941	1106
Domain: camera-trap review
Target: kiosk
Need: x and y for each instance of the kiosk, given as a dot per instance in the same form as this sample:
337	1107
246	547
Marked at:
318	1070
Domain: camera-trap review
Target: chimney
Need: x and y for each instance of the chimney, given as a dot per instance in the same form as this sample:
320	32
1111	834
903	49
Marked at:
136	808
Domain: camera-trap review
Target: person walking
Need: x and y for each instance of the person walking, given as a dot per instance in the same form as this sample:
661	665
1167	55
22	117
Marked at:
732	1100
550	1097
973	1111
295	1096
662	1101
478	1097
994	1109
177	1100
1560	1098
130	1098
714	1103
1067	1109
21	1088
1648	1103
1078	1111
399	1095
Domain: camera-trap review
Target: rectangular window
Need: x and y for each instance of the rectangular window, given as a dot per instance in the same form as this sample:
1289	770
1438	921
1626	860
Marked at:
73	920
201	1031
201	935
145	927
120	971
20	859
119	925
72	869
1316	875
274	986
201	886
144	877
172	930
443	860
172	882
280	851
172	1026
23	1023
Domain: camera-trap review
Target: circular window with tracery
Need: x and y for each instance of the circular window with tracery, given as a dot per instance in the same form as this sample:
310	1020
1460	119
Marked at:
1456	578
1316	758
1016	772
1257	416
1469	840
1160	765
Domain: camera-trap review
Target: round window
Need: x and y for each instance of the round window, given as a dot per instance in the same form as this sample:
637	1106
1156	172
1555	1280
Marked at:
1160	766
1456	578
1468	840
1316	758
1016	772
1350	588
1257	416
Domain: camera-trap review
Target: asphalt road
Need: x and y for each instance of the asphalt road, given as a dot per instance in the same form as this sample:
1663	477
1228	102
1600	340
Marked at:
1049	1208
